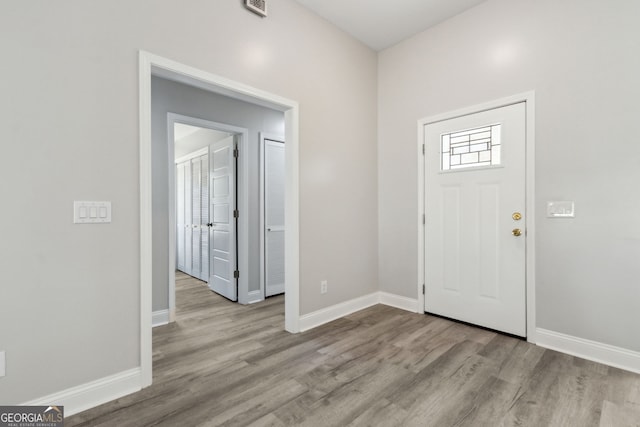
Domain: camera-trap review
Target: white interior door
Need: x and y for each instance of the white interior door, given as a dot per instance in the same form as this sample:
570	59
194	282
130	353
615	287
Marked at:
223	231
274	180
474	207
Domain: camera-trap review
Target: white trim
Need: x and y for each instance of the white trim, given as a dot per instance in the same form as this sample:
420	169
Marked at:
201	152
421	211
146	214
530	212
94	393
271	137
328	314
149	62
261	226
255	296
159	318
398	301
529	99
242	228
292	223
591	350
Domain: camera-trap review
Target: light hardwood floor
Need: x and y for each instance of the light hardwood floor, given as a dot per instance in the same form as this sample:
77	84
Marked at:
222	363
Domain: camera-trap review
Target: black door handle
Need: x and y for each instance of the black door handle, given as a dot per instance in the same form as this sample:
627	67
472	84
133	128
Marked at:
209	224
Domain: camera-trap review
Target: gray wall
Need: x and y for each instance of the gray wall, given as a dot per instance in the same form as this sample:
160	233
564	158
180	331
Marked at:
69	298
172	97
583	60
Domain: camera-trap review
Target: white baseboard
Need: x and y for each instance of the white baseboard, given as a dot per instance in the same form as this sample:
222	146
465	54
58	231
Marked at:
254	297
591	350
397	301
326	315
94	393
159	318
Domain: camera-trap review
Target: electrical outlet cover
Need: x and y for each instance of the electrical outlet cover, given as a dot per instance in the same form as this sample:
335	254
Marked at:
561	209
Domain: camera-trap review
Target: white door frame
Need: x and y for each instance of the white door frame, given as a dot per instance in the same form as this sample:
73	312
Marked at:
242	188
153	64
529	99
263	137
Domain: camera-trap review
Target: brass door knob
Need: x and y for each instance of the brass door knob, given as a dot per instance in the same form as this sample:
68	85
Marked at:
517	216
516	232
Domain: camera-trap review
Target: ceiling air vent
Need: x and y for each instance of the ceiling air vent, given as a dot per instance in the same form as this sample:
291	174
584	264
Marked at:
257	6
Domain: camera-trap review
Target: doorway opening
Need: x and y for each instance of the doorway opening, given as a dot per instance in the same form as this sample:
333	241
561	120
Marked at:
203	230
153	65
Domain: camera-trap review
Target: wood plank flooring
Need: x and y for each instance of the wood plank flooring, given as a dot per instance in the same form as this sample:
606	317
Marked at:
223	364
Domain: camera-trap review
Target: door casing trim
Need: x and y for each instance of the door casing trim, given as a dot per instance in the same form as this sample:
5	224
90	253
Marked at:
529	99
149	64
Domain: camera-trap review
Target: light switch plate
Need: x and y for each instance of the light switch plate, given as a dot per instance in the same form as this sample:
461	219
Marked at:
91	212
3	361
561	209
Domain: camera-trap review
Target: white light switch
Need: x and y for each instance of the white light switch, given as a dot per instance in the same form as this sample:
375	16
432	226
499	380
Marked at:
561	209
91	212
3	363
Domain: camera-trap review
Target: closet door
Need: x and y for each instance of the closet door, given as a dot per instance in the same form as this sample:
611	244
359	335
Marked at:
188	235
203	272
204	218
196	219
192	217
274	181
180	217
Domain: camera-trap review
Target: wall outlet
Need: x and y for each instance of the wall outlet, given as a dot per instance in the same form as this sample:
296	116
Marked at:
323	287
3	369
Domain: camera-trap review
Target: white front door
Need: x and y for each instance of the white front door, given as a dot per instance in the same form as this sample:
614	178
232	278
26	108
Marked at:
223	231
475	223
274	180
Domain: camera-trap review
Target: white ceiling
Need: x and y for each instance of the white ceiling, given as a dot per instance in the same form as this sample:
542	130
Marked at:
192	138
383	23
181	130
